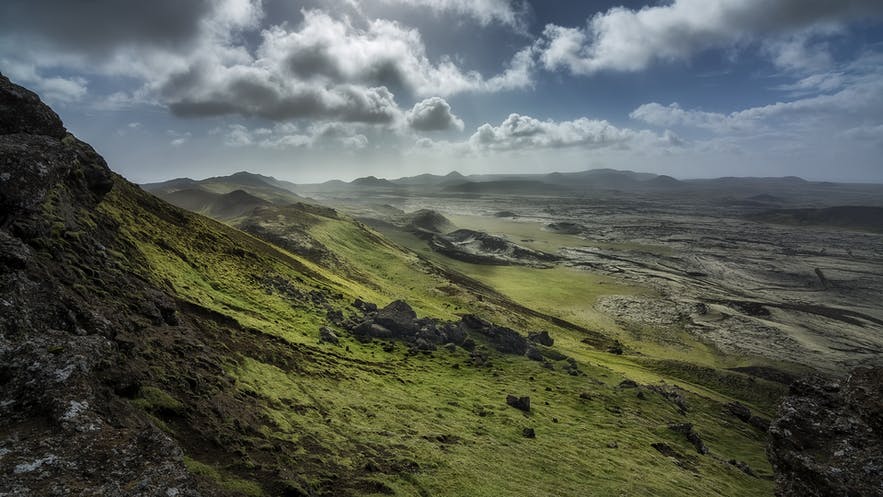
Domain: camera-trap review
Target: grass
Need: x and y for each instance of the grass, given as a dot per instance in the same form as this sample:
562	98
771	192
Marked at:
223	480
373	421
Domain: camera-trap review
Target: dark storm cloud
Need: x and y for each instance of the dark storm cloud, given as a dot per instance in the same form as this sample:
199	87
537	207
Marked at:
248	92
99	26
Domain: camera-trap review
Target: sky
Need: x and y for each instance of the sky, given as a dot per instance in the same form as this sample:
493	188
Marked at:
309	91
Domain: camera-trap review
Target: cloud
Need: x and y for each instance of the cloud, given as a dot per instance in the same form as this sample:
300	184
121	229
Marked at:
98	26
54	89
622	39
287	136
433	114
507	12
383	53
178	138
524	132
856	95
325	69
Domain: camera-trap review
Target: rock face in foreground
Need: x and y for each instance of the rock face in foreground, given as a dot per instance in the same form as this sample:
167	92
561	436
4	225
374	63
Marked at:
828	438
62	430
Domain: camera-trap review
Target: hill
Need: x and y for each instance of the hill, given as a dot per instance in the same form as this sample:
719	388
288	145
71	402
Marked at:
220	206
146	350
265	188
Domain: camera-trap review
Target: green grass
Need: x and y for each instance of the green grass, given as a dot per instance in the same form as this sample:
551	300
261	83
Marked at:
223	480
425	424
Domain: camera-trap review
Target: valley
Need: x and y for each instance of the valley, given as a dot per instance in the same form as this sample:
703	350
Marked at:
273	339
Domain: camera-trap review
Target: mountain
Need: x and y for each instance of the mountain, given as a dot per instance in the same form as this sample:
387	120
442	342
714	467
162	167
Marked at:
372	182
150	351
431	179
217	205
265	188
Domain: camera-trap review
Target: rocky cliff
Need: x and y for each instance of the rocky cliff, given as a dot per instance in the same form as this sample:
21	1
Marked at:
828	438
63	429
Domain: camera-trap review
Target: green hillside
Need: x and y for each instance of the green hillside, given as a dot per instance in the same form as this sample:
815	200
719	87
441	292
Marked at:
153	351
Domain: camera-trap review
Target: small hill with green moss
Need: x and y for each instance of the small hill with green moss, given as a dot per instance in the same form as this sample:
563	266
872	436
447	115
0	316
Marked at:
147	350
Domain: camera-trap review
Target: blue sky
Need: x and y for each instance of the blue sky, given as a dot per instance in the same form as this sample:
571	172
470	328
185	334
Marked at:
314	90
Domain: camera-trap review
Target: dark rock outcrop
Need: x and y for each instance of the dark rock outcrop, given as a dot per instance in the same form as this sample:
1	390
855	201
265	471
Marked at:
686	429
503	339
397	317
21	111
63	426
541	337
520	403
37	154
827	440
478	247
326	335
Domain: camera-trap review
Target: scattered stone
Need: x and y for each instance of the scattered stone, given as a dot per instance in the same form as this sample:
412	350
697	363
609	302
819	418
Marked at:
686	462
690	434
612	445
616	348
328	336
744	414
628	384
585	396
742	466
528	433
739	410
450	347
671	394
541	337
520	403
533	354
365	307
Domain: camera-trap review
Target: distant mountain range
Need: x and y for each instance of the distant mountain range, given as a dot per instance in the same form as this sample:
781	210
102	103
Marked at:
208	195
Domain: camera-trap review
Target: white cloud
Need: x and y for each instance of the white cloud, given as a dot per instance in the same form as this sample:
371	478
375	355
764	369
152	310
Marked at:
178	138
54	89
506	12
525	132
433	114
857	96
288	135
623	39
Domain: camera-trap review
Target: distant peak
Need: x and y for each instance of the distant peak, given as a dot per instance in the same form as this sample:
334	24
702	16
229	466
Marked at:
454	174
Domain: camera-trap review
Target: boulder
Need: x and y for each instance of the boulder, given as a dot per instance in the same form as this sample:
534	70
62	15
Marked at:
398	317
328	336
528	433
628	384
503	339
541	337
739	410
520	403
686	429
533	354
